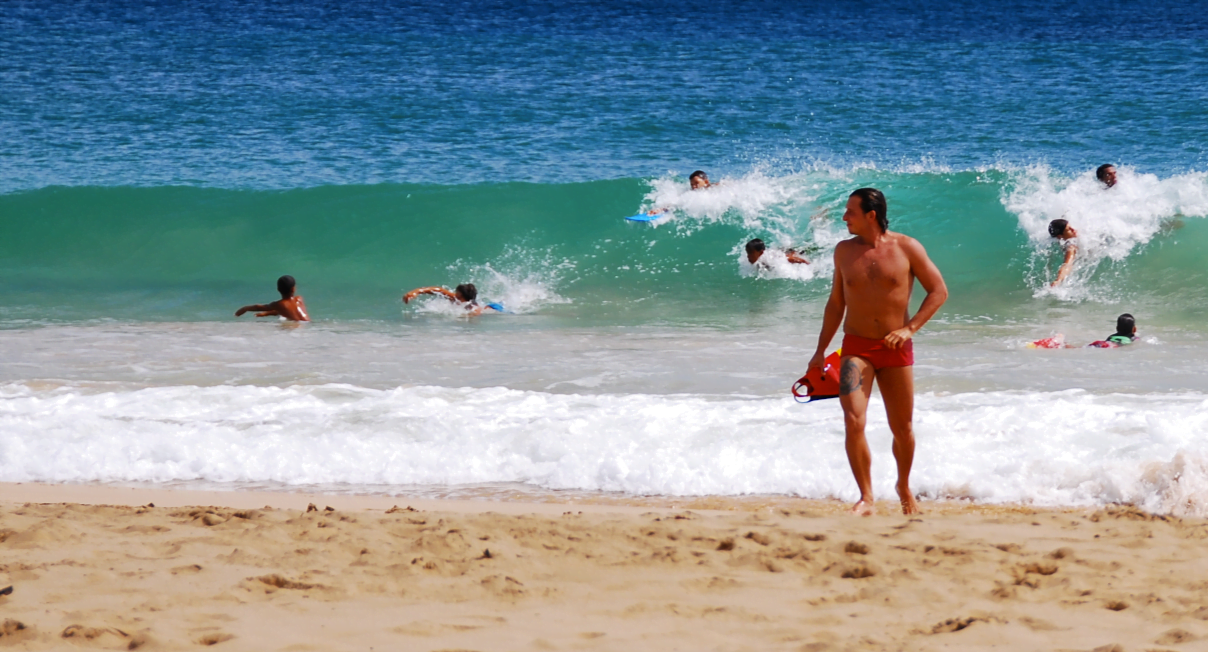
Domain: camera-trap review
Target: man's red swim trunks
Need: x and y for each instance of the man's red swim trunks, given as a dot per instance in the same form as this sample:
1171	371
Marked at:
877	353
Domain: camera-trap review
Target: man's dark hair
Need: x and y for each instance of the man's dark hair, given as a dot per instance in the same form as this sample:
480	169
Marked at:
872	199
468	291
1101	171
1125	324
1057	227
755	245
286	284
698	173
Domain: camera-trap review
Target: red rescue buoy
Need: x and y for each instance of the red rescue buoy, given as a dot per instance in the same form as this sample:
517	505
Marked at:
819	384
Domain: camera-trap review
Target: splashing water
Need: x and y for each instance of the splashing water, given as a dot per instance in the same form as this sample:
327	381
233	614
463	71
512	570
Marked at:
1112	223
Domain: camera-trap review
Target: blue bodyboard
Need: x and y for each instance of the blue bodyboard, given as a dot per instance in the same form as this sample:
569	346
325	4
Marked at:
642	217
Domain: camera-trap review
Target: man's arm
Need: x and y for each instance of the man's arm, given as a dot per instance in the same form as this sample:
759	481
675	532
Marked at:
1066	266
429	290
794	257
937	293
254	306
832	317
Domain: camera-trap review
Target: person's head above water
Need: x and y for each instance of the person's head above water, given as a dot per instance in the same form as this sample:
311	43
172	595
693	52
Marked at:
755	249
466	292
698	180
1126	325
1106	174
286	285
1061	229
862	203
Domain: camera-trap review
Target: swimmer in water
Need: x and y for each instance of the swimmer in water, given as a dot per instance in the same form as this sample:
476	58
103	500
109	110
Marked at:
1066	235
698	180
465	295
291	306
755	249
1106	174
1126	333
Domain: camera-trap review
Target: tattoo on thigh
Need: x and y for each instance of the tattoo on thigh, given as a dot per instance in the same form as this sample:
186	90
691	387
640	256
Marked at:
849	377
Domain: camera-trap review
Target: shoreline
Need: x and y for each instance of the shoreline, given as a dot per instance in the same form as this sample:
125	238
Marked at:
101	567
500	501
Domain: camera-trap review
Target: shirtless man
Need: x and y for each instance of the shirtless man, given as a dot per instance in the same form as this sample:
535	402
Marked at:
290	306
874	274
1106	174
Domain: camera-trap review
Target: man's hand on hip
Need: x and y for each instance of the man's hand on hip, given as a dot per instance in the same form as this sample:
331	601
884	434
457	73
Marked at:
897	339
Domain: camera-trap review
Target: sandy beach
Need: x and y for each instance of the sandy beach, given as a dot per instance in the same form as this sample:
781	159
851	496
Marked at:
100	567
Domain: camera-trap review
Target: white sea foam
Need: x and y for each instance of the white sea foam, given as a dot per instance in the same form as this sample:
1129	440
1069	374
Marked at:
1111	223
773	208
1063	448
520	279
757	200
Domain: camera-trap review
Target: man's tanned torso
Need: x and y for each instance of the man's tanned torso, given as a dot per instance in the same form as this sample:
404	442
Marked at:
877	282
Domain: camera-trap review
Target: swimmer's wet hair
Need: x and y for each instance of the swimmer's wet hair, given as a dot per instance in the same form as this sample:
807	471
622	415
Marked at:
1101	171
1057	227
872	199
755	245
698	173
286	284
1125	324
468	291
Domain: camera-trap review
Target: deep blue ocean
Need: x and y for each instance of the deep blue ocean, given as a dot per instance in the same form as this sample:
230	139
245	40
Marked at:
161	163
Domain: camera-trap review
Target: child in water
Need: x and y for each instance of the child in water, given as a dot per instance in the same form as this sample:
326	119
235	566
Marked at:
1126	333
465	295
1066	235
290	306
756	247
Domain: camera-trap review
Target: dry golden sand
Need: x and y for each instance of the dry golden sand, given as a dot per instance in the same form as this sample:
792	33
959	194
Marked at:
473	575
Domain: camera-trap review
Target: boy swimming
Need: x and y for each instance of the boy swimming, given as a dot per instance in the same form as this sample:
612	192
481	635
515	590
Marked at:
756	247
1126	333
1066	235
465	295
290	306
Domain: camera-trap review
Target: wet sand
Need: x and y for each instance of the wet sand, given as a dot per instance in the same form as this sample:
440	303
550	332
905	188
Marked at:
99	567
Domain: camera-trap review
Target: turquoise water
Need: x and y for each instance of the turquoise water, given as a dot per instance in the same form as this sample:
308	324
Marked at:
162	164
562	250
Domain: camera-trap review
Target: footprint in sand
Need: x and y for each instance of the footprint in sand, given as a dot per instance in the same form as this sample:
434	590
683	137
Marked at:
855	548
214	638
109	637
1175	637
14	631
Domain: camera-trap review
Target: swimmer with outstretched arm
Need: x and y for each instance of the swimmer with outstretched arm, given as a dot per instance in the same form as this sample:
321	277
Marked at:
756	247
465	295
290	306
1064	233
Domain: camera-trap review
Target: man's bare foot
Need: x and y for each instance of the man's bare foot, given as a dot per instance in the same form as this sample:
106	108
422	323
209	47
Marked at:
864	508
909	506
